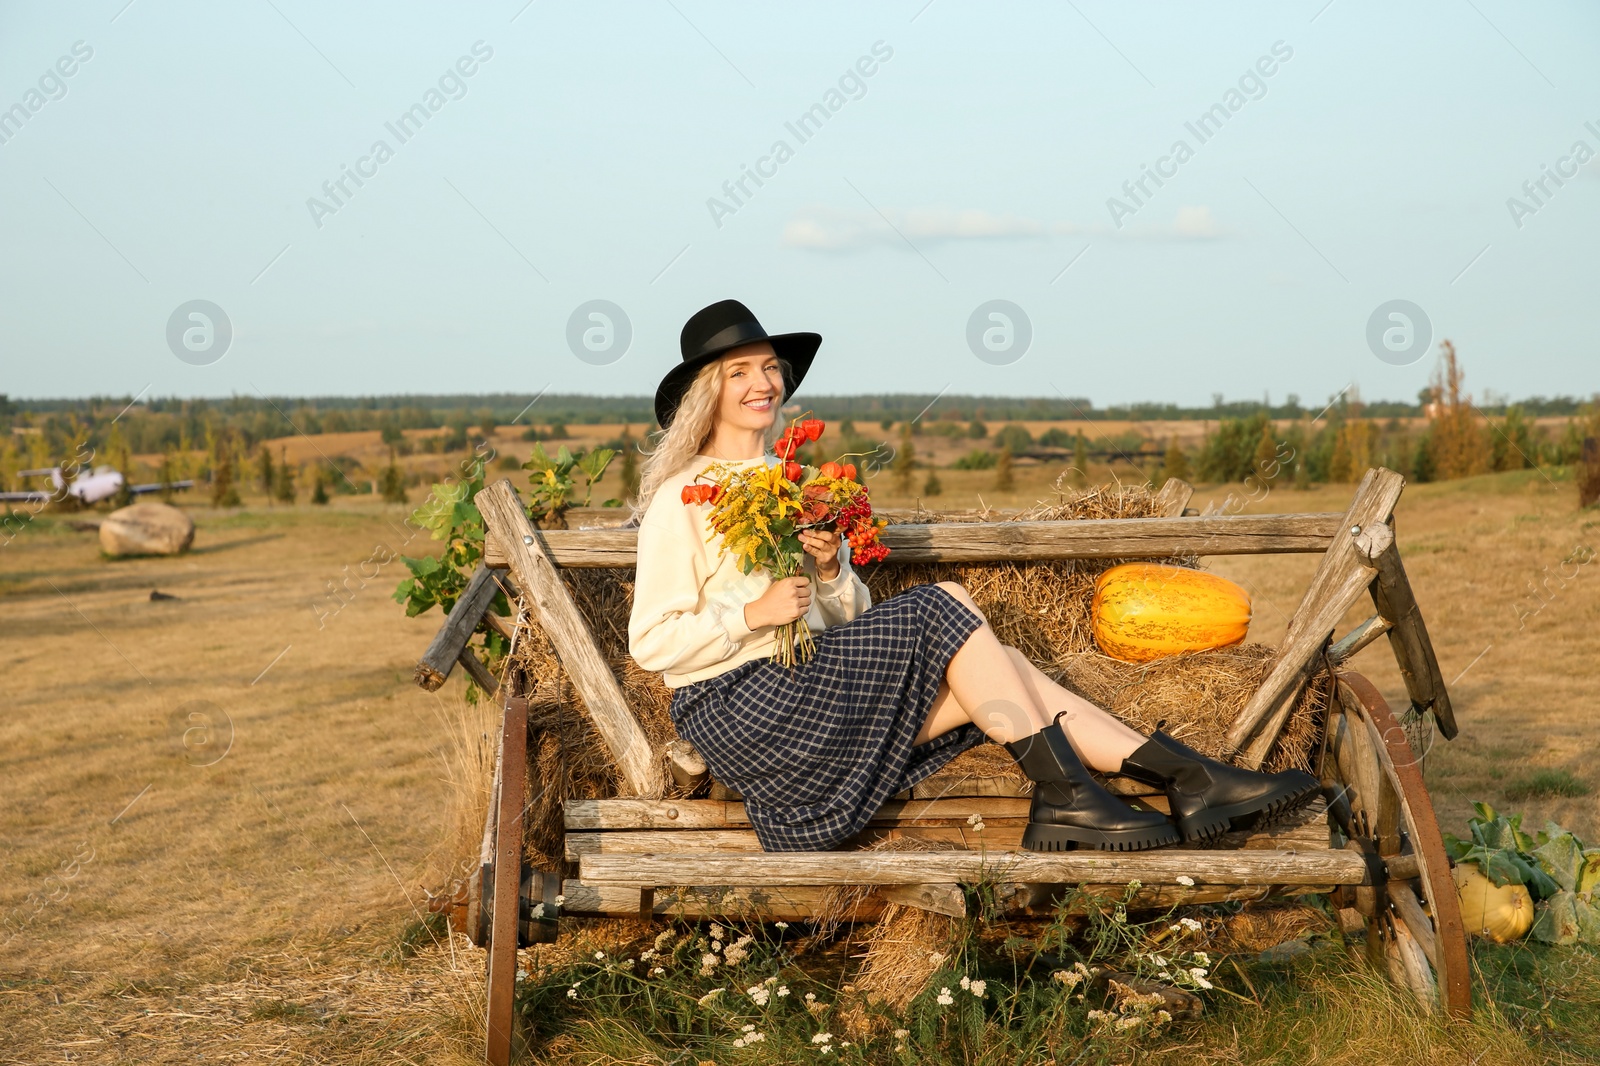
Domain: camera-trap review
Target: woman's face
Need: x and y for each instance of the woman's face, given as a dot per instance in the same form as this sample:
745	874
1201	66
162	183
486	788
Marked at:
752	387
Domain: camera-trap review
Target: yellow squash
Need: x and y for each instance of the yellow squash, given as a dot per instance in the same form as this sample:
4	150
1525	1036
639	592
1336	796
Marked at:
1143	611
1502	913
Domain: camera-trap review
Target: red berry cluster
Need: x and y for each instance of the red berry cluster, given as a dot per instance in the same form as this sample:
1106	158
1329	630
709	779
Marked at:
861	530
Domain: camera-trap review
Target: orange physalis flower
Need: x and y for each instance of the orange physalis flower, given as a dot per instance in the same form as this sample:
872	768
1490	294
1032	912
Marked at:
831	470
812	428
792	471
850	471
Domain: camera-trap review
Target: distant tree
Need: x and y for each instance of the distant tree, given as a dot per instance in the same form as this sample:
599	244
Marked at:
164	474
887	423
1175	464
1014	436
630	465
393	483
264	472
1265	465
905	460
977	430
1004	481
284	489
389	431
319	488
1080	459
932	486
1056	437
1456	439
1513	446
223	492
486	423
558	431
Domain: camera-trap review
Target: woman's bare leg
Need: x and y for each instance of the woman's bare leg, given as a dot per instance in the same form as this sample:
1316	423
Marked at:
995	687
982	685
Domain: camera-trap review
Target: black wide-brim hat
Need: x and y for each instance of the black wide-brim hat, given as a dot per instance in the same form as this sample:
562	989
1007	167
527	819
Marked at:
712	332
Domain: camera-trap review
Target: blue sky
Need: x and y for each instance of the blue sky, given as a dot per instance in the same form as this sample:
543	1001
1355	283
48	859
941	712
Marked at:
975	163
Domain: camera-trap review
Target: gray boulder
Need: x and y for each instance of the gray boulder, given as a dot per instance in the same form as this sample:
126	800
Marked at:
146	529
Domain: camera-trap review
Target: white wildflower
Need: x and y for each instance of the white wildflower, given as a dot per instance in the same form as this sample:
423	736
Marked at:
977	988
936	959
1128	1021
1163	1017
966	981
945	998
716	931
1202	958
658	969
1185	880
758	994
662	938
561	899
781	925
711	995
537	911
783	990
901	1034
771	980
599	954
822	1038
572	993
749	1028
1066	977
708	962
1199	976
1190	924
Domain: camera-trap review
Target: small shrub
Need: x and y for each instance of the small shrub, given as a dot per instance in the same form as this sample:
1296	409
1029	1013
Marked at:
977	459
1546	784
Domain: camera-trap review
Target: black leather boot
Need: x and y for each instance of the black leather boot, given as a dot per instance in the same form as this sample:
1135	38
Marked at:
1070	809
1209	797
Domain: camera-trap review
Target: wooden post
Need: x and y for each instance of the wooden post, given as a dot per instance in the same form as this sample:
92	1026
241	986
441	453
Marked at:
1413	649
507	884
1172	498
445	650
562	622
1338	583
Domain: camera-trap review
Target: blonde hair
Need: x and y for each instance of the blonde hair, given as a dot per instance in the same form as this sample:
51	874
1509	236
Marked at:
690	430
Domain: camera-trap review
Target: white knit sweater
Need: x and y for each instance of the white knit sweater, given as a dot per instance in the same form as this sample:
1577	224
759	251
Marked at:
688	603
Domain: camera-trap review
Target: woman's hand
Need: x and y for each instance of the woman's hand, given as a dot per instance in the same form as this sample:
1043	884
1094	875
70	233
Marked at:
824	548
785	600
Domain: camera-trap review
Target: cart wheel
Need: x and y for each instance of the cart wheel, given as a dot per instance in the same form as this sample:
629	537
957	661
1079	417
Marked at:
1423	949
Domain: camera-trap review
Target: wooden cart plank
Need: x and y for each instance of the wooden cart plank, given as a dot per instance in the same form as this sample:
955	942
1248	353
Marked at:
507	882
980	542
1162	866
1340	579
558	615
719	814
1413	648
1304	829
445	650
798	902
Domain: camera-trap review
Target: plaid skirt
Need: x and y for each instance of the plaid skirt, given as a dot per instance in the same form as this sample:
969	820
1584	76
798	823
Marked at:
817	749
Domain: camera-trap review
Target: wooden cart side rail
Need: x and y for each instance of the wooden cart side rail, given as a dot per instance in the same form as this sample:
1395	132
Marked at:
1165	866
575	645
799	902
988	542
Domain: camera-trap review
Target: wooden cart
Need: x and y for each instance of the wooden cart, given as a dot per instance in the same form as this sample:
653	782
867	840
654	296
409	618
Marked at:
1372	843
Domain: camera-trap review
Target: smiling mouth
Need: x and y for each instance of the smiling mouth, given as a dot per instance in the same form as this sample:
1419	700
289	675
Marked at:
763	404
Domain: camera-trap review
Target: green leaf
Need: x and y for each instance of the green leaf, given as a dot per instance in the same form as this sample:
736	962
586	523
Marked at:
1556	920
1561	856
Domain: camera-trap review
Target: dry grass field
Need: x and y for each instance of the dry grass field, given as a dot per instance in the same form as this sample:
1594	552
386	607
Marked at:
254	895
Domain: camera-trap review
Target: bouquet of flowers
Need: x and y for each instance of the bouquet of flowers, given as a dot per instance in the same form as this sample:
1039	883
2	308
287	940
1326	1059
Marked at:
761	510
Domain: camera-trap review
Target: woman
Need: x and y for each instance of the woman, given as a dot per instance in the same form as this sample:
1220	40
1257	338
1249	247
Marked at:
895	690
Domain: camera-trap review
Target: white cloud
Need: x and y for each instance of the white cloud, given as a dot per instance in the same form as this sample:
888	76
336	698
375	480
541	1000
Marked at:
832	230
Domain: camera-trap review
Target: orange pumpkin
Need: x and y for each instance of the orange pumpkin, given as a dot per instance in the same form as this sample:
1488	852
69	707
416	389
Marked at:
1143	611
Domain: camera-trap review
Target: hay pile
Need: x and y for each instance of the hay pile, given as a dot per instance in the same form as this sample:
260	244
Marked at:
1041	608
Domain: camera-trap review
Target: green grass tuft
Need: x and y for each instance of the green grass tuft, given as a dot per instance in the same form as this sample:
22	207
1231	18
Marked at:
1546	784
